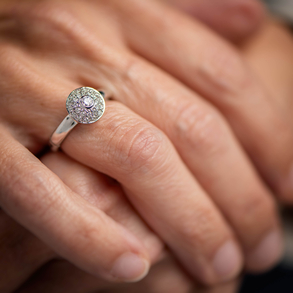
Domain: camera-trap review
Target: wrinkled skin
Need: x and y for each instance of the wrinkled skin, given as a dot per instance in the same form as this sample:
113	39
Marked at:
165	158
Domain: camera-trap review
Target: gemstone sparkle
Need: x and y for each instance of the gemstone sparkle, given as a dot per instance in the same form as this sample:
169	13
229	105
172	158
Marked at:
87	101
85	105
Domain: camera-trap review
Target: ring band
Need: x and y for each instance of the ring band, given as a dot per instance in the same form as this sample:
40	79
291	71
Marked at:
84	105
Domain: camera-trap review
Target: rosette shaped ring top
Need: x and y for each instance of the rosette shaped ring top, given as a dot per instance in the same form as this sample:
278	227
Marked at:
84	105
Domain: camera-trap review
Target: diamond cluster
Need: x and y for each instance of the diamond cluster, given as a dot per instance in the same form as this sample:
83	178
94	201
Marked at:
85	105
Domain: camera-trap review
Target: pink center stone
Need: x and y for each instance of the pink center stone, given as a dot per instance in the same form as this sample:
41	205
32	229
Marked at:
87	101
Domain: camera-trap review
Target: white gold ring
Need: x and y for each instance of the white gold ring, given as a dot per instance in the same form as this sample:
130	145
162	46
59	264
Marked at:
84	105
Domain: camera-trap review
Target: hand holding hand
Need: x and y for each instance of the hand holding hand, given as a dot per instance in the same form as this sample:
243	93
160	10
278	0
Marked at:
172	151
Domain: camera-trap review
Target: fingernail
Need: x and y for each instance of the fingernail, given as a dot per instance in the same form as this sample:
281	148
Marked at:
130	268
227	262
267	253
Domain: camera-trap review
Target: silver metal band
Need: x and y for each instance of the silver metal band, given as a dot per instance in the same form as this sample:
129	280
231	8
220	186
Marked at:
61	132
84	105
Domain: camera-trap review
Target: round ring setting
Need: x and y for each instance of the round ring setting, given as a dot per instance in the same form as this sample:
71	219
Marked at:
84	105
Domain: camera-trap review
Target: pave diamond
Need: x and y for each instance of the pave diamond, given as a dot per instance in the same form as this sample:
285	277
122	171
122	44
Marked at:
85	105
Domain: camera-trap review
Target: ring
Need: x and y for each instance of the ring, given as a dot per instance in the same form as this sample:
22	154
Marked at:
84	105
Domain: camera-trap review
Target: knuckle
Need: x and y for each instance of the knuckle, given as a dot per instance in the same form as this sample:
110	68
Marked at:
129	68
142	147
202	129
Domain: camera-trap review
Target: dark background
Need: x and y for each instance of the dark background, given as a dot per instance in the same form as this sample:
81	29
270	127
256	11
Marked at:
279	280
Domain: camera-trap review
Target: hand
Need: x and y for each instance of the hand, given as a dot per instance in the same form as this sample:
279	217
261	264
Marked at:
22	254
140	154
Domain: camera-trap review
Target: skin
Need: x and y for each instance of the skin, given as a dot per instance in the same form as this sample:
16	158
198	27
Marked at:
174	151
235	20
53	274
61	276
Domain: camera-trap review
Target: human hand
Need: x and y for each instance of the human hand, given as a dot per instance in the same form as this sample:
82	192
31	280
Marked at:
161	188
28	265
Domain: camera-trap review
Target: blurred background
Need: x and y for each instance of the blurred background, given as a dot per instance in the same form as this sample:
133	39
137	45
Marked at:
282	8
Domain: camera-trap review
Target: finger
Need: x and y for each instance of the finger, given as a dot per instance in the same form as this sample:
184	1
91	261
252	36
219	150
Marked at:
61	276
233	19
105	194
21	254
142	159
70	225
211	67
